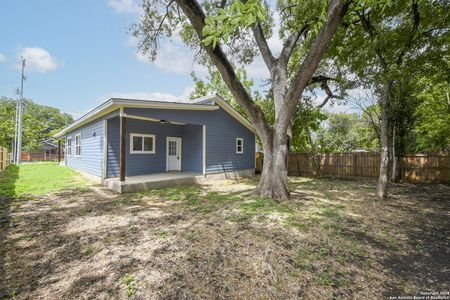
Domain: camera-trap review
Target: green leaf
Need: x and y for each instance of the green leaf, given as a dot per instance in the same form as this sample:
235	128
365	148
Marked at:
209	20
261	16
236	21
206	30
207	41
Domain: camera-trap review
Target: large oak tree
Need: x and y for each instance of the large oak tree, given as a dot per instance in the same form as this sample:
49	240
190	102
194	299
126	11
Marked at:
230	32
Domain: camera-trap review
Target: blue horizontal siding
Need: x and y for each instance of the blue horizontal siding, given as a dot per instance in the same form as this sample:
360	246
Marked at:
192	160
141	164
91	160
221	132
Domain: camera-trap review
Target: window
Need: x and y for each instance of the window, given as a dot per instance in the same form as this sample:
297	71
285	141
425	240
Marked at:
78	145
239	145
142	143
69	146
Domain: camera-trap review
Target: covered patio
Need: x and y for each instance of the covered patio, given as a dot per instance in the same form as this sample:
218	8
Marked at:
144	153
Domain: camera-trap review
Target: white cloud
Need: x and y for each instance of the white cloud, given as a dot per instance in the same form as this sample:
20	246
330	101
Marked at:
124	6
174	57
155	96
2	58
37	59
274	42
257	69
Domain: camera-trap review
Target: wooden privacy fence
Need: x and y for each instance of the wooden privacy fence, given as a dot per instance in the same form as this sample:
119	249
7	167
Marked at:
40	156
413	168
4	158
428	168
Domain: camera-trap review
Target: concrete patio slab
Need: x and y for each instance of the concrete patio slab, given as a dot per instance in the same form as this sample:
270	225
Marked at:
151	181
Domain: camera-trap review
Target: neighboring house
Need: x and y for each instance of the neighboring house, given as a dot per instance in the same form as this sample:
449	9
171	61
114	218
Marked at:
47	150
48	147
125	138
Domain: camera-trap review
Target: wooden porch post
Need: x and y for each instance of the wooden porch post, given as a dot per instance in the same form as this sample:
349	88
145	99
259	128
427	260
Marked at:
59	151
122	147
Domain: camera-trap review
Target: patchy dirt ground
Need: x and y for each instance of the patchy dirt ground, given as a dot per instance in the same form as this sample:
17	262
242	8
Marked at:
216	241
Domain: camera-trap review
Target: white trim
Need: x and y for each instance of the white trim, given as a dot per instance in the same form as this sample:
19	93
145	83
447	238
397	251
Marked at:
65	151
161	104
143	135
105	148
179	146
242	145
78	146
204	150
149	119
115	103
101	110
67	146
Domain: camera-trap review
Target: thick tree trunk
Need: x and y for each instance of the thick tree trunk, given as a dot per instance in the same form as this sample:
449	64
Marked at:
384	147
273	182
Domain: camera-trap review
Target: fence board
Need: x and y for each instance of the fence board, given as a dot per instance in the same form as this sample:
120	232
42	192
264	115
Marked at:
4	158
413	168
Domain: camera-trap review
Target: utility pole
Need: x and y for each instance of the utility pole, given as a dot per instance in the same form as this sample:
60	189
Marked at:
19	126
14	148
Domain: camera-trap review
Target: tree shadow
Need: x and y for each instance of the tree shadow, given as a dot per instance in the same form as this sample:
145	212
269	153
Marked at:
425	259
7	196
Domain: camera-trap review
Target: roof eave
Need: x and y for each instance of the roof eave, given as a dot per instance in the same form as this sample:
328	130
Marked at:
115	103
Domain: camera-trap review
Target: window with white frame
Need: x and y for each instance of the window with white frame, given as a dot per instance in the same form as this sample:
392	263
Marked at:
142	143
78	145
69	146
239	145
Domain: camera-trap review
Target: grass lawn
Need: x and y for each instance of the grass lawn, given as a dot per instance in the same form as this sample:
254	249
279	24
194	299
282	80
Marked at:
332	240
37	179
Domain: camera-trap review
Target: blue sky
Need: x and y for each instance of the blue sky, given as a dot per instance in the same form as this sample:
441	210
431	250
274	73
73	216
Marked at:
79	54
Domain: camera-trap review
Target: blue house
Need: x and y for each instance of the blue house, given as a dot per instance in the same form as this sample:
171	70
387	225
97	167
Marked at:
135	145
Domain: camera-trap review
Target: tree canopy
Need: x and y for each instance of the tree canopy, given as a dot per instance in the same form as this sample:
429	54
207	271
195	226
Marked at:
361	43
40	122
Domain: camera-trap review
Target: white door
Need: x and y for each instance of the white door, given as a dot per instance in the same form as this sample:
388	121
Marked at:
173	154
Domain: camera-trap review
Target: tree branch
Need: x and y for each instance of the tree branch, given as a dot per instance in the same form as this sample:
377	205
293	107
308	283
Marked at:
414	29
261	41
290	43
365	110
157	31
371	31
196	16
335	14
223	3
323	80
289	7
